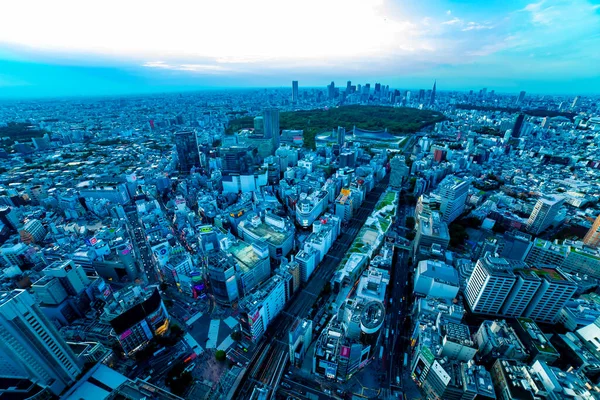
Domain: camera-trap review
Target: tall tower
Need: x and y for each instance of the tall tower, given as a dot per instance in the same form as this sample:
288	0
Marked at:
31	347
521	97
331	91
592	237
575	101
432	99
294	91
543	213
187	150
271	126
516	130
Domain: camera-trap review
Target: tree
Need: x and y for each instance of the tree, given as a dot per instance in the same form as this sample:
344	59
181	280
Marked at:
220	355
411	235
163	286
176	330
410	222
236	335
327	288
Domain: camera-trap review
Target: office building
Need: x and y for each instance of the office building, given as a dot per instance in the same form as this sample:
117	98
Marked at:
187	150
514	245
554	292
489	285
276	231
518	126
575	102
544	213
521	97
32	232
307	261
71	276
526	286
431	229
433	90
271	127
295	92
222	275
547	253
497	339
581	260
136	315
236	160
30	346
453	192
592	237
331	91
399	171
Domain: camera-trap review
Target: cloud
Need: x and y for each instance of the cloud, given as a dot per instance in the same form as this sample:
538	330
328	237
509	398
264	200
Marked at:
474	26
186	67
448	12
453	21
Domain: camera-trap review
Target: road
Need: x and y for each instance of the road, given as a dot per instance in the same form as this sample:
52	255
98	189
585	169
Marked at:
401	297
267	368
140	245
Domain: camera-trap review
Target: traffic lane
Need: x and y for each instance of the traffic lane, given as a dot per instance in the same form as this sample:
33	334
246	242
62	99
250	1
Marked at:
302	389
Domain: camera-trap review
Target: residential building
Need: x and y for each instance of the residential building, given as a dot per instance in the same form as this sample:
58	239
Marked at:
453	192
544	213
554	292
489	285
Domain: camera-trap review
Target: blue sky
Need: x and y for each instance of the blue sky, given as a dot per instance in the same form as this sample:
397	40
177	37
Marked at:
73	47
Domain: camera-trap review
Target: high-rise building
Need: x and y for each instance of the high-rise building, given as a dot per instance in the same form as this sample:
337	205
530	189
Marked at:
271	126
187	150
516	130
431	230
236	160
575	101
399	171
592	237
432	98
331	91
489	285
526	285
341	136
33	232
554	292
71	276
31	347
295	91
454	193
543	213
521	97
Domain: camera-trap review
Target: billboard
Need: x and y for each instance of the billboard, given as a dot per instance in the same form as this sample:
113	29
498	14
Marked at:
345	352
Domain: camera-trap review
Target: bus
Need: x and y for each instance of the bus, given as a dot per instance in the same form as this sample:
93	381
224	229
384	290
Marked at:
157	352
380	352
405	360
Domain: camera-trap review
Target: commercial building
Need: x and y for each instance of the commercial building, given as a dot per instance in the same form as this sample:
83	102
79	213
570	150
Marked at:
277	232
543	214
436	278
310	207
526	286
431	229
31	348
300	338
582	260
547	253
325	232
260	308
496	339
136	315
536	343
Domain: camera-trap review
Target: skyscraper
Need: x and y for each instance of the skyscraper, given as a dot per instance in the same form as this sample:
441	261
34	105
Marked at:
271	126
331	91
521	97
187	150
516	130
31	347
432	99
294	91
453	191
592	237
543	213
575	101
554	292
489	285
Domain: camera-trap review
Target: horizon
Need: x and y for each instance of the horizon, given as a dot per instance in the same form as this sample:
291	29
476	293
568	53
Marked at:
539	47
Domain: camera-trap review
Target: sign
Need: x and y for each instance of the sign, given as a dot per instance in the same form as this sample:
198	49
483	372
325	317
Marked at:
125	334
256	315
345	352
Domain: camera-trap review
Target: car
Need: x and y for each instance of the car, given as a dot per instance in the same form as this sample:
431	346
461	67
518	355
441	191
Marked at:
286	385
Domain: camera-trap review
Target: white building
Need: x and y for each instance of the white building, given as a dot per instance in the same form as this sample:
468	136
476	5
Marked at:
453	192
544	213
259	309
435	278
489	285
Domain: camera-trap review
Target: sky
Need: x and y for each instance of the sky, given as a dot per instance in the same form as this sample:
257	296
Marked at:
78	48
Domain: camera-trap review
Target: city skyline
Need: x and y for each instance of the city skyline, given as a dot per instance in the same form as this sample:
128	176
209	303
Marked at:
464	45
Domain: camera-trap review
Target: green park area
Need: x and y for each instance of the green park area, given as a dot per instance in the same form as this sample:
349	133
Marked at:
397	120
